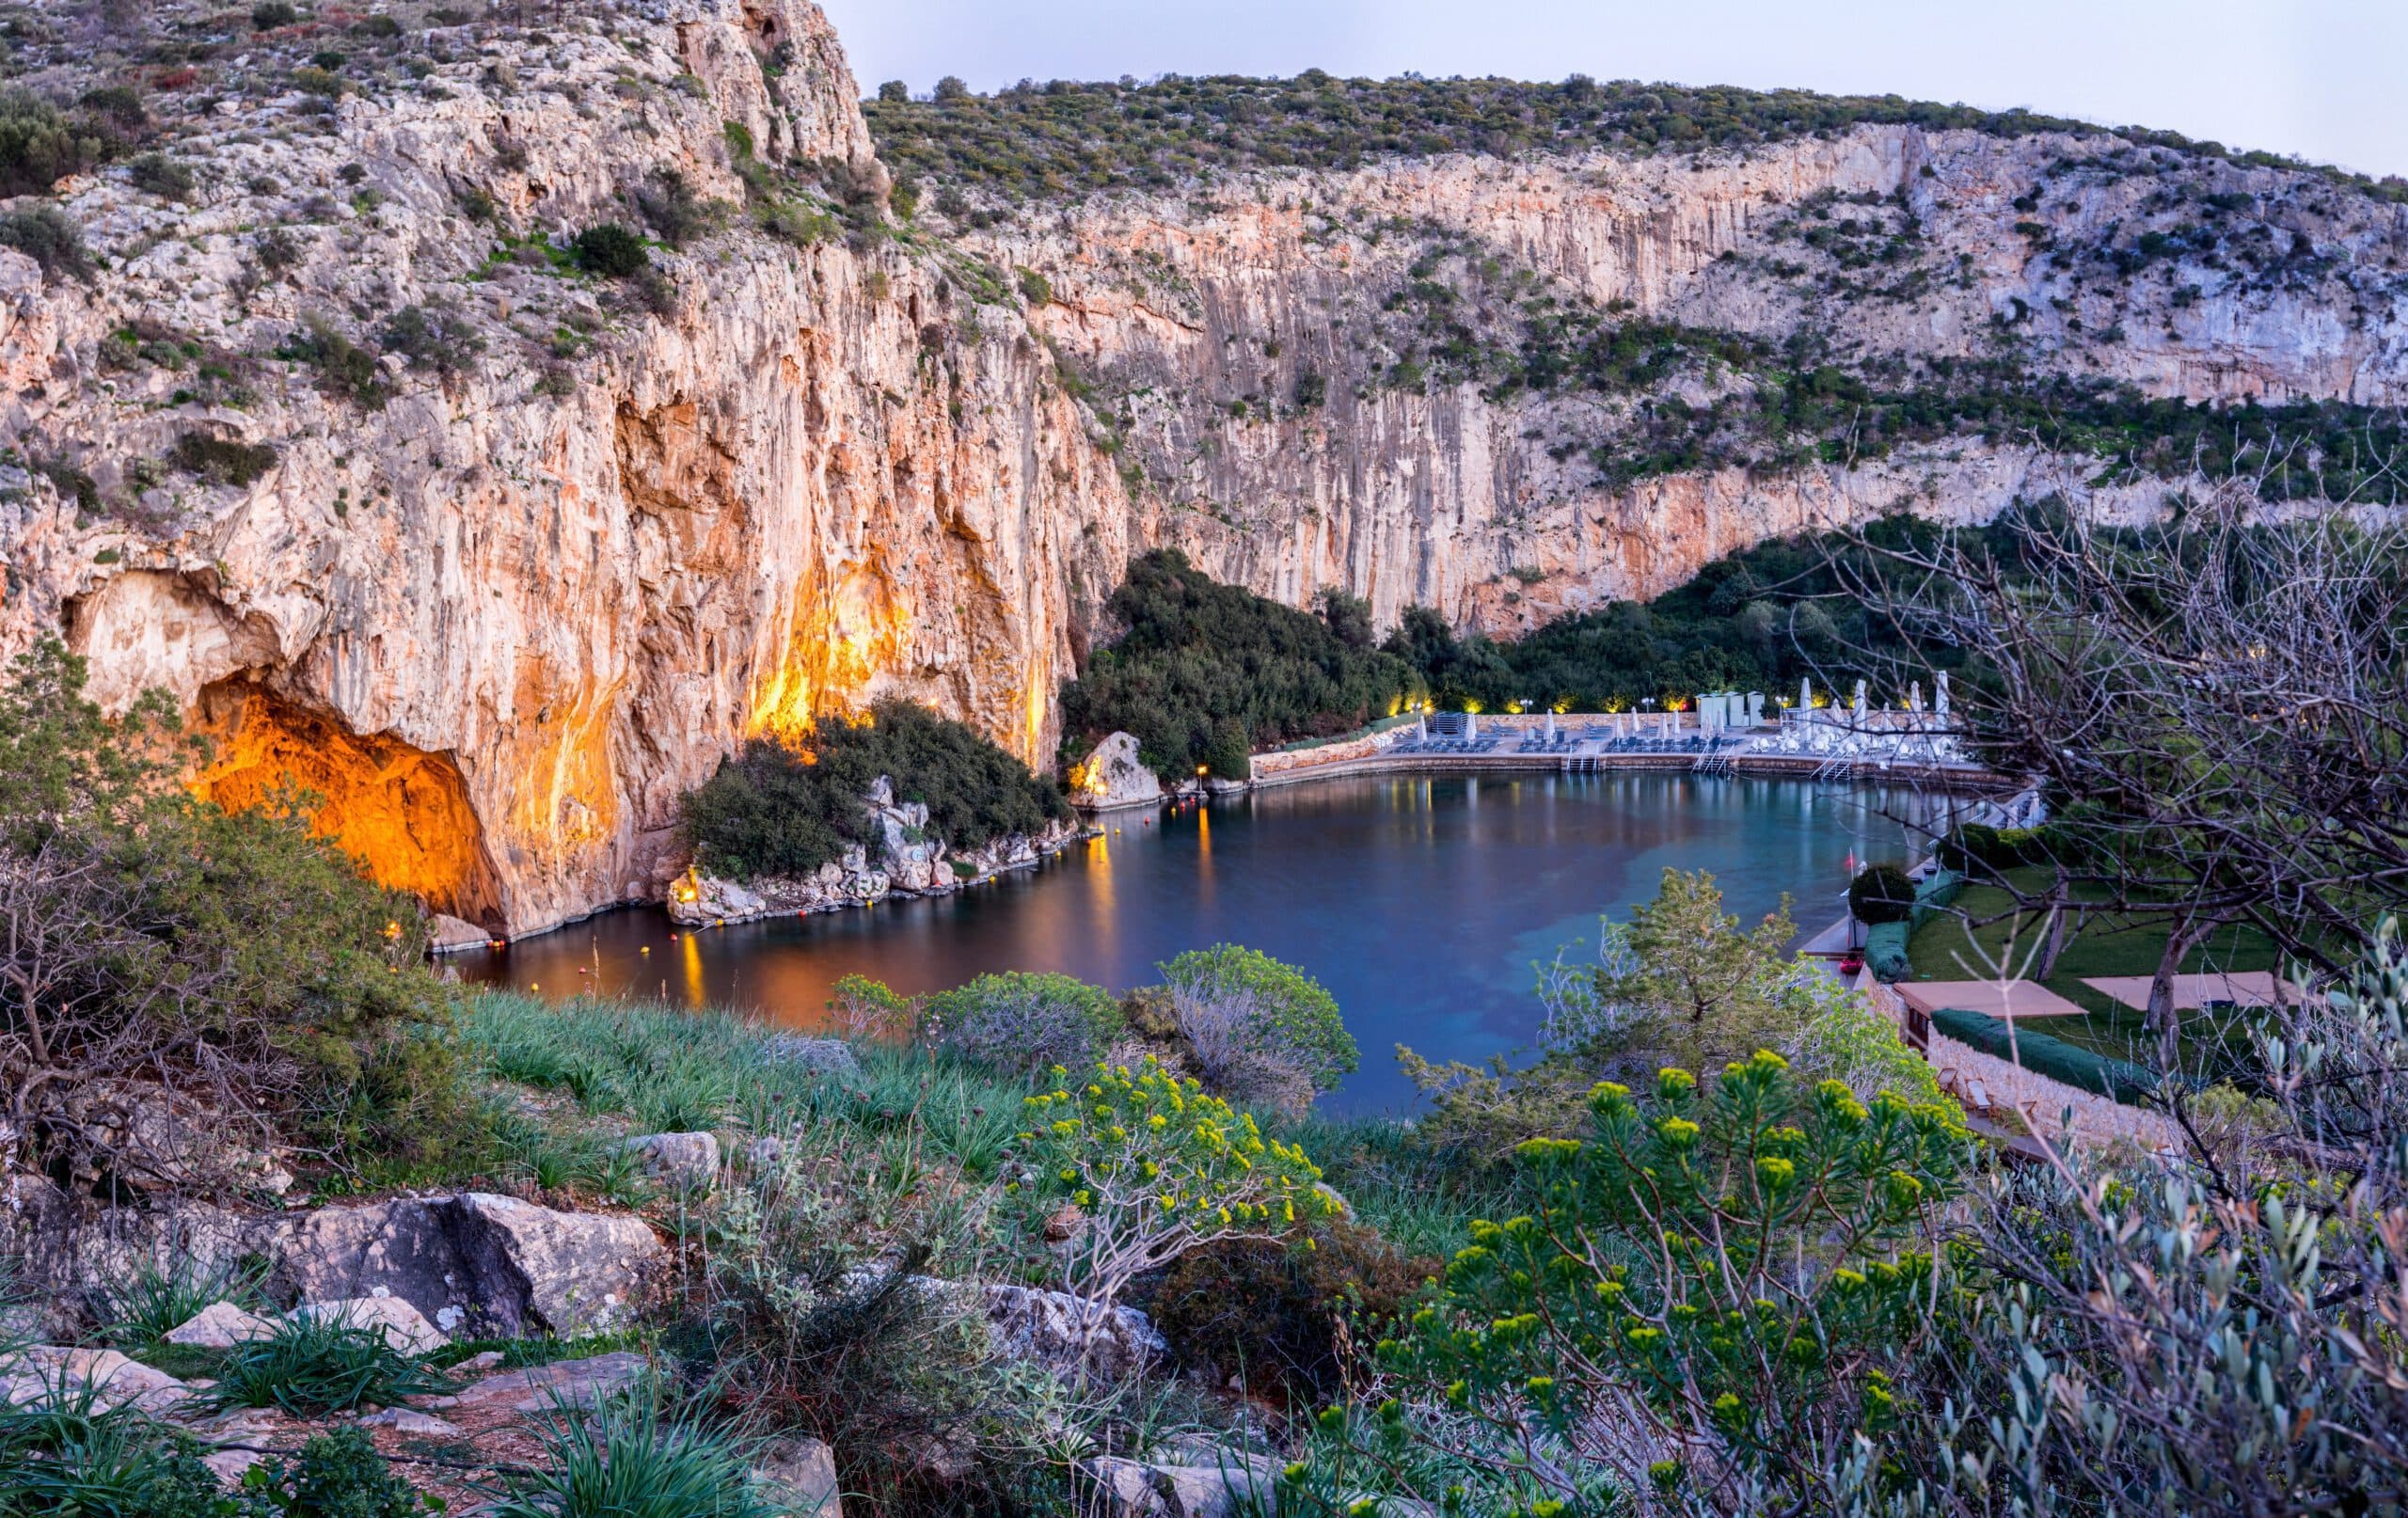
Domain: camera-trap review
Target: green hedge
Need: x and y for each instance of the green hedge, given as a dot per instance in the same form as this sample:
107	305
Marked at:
1932	895
2037	1051
1885	952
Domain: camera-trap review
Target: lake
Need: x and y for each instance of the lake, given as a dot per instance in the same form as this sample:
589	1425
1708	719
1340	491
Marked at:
1422	902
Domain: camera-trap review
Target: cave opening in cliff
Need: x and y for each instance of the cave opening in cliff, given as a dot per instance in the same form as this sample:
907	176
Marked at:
402	812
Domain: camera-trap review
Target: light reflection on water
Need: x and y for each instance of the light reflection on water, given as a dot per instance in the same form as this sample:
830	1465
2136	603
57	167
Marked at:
1420	901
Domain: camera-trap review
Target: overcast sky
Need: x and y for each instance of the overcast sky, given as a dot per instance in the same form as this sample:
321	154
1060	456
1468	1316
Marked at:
2324	79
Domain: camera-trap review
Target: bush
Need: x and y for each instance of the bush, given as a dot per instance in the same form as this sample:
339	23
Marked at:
675	213
437	339
1728	1267
235	956
268	15
223	461
337	1475
1205	671
62	1451
139	1308
345	370
1019	1020
1287	1323
1259	1029
160	175
1880	894
1158	1168
611	251
46	236
39	147
784	808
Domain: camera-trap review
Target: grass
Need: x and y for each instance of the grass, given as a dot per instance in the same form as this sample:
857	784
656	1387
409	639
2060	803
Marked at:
630	1459
311	1367
1965	943
143	1306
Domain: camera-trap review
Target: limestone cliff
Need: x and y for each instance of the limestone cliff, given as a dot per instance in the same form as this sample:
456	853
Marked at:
337	442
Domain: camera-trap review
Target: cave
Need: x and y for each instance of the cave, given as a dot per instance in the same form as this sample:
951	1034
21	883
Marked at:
402	812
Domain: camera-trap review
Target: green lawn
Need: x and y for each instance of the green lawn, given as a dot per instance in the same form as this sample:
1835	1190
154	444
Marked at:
1949	947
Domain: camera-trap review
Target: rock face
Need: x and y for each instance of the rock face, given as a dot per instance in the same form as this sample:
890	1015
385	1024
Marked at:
1113	776
491	1266
504	601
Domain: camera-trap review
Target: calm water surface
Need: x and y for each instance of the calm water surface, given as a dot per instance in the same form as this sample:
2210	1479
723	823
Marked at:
1421	902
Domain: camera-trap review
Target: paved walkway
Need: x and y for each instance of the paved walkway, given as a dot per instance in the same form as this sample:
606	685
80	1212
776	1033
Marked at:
1999	998
2243	988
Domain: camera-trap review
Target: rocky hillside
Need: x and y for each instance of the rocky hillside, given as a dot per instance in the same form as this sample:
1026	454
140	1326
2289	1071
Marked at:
328	408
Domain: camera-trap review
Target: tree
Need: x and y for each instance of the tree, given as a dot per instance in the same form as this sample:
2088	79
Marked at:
2217	701
1880	894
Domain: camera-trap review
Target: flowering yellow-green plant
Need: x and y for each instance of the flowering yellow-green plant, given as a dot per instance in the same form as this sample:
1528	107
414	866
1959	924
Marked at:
1158	1168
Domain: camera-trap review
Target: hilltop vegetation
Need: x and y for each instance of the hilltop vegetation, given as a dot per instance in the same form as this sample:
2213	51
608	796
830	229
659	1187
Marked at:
1205	672
1065	137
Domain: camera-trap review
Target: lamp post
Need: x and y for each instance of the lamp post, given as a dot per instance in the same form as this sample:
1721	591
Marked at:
1200	771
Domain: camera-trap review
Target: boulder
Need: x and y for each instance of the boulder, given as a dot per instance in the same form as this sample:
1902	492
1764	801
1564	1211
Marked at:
411	1421
49	1372
541	1388
1113	776
800	1477
492	1265
1046	1327
698	900
820	1056
1132	1489
687	1160
450	935
567	1273
221	1325
403	1326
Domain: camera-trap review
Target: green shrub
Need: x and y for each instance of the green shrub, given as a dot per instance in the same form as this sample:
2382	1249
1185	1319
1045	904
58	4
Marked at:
63	1452
1026	1020
675	213
1880	894
46	236
268	15
223	461
337	1475
1206	671
314	1366
259	942
782	808
158	174
2047	1055
1035	288
611	251
39	147
1258	1028
435	337
345	370
1158	1168
380	27
1286	1322
1733	1266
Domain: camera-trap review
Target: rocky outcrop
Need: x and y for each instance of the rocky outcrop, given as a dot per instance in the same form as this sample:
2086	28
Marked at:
913	861
502	598
475	1263
1113	776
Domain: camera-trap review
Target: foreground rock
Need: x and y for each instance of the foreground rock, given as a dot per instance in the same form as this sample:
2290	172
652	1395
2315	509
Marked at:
489	1266
543	1388
221	1325
402	1326
1113	777
1046	1327
800	1475
57	1373
687	1160
1225	1488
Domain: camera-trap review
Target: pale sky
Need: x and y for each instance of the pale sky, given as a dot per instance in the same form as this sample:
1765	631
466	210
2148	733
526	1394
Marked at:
2324	79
